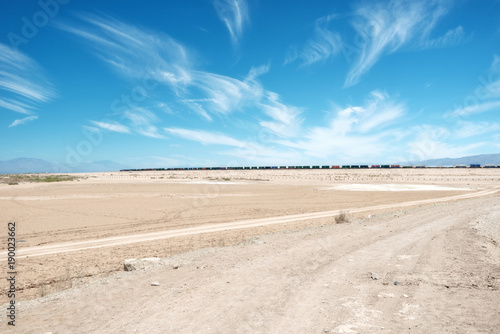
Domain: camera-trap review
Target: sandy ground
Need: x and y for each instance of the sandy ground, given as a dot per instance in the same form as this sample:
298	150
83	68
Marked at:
305	276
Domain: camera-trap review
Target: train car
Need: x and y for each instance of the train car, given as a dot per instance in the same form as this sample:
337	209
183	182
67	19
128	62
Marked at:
325	167
363	166
306	167
355	166
346	166
475	166
335	167
461	166
282	167
385	166
315	167
375	166
407	166
489	166
395	166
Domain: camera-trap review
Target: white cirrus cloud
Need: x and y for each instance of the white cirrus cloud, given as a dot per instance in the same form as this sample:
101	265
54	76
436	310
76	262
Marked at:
23	84
471	129
386	27
324	44
143	54
134	52
22	121
286	119
244	150
351	135
205	137
234	14
485	97
476	108
114	126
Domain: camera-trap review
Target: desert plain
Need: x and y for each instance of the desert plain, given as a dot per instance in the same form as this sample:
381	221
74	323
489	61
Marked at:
257	251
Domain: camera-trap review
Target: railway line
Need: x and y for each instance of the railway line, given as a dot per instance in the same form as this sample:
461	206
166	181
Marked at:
311	167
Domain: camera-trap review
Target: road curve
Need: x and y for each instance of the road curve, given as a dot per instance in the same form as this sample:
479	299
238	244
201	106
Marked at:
242	224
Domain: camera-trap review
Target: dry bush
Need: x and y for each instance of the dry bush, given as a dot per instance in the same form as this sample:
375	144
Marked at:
342	218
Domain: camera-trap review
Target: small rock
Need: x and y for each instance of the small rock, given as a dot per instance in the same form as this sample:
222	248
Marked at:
396	282
326	330
134	264
175	266
155	284
406	296
128	264
374	276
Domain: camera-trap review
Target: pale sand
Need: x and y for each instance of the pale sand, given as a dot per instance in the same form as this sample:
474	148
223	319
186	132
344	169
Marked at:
304	279
393	187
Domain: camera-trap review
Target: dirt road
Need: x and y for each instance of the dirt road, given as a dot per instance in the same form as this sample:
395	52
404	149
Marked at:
129	239
429	269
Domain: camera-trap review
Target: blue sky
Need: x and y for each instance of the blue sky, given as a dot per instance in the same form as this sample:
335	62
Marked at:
235	82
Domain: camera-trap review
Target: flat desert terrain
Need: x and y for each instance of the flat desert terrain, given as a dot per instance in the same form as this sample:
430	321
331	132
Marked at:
257	251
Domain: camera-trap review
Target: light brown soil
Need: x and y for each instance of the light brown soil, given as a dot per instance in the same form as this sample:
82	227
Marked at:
311	277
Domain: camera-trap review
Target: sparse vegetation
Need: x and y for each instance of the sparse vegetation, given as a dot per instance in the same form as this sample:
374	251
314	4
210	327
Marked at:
13	179
218	178
342	218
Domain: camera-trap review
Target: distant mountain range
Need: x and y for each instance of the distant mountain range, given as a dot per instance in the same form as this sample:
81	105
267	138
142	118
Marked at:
482	159
30	165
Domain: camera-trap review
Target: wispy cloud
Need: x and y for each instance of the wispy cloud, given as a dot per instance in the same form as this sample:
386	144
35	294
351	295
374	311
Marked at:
476	108
486	96
386	27
433	142
150	131
244	150
138	53
204	137
324	44
285	119
234	14
471	129
22	121
226	94
350	132
115	126
450	38
23	85
134	52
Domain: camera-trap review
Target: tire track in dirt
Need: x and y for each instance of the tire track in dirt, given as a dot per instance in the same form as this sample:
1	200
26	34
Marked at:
130	239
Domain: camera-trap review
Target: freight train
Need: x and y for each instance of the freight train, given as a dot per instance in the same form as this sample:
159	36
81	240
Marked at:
308	167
